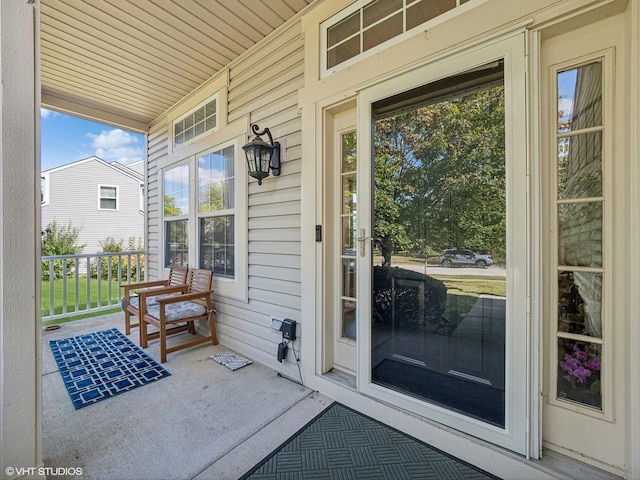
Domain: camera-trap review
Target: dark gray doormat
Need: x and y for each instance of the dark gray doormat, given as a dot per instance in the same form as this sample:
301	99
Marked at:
341	443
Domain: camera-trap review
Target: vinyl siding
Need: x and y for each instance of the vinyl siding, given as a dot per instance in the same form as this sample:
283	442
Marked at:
73	197
157	148
263	89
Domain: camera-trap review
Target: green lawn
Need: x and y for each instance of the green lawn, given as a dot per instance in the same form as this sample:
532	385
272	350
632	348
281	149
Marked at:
473	285
82	297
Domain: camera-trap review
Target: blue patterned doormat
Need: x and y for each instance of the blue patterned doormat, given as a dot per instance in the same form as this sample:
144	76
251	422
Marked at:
341	443
103	364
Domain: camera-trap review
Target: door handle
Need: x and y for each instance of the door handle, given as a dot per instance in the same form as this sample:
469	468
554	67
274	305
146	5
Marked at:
362	238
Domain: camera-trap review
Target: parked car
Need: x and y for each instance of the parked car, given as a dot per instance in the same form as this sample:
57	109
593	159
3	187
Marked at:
452	257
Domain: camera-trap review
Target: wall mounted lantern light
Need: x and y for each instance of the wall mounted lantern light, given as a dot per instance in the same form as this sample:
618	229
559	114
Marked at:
262	156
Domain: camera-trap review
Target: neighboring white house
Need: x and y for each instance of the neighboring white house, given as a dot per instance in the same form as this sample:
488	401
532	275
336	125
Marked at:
102	199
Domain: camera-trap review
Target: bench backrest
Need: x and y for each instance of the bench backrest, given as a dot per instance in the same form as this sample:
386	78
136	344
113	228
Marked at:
200	281
177	275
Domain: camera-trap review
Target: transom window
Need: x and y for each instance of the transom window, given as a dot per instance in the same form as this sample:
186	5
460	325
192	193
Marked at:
201	119
108	197
368	24
216	211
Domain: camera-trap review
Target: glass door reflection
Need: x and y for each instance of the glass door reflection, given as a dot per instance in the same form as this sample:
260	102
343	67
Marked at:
439	260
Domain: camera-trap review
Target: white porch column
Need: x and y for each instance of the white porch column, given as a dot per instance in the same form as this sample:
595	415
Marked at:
20	332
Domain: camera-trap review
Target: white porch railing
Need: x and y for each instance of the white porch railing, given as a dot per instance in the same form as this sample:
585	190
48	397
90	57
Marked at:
79	284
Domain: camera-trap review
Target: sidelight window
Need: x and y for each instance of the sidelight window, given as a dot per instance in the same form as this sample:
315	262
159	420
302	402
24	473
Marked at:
580	217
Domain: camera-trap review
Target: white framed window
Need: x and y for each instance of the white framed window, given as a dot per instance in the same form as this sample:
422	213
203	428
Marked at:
141	199
364	27
582	373
176	215
107	197
205	209
197	121
44	189
216	211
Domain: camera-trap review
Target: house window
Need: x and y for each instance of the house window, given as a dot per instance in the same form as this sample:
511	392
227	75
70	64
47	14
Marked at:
201	119
176	211
44	190
108	197
366	25
580	217
216	212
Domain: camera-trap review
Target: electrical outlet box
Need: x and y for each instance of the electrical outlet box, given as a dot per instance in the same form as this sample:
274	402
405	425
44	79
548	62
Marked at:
289	329
282	351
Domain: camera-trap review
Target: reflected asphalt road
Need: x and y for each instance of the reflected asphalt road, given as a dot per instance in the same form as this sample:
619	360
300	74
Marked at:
492	271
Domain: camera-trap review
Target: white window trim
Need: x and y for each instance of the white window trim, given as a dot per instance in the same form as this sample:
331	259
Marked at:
330	22
213	97
236	287
46	179
186	216
216	87
607	58
234	133
100	186
141	198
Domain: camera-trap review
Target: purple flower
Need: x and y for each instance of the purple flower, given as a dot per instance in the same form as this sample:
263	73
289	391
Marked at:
593	364
579	365
580	355
581	374
569	364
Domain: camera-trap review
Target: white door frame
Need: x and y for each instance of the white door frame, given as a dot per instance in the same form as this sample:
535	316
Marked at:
601	41
511	48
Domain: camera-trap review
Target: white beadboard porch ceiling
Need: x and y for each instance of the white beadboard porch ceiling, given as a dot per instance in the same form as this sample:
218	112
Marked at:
124	62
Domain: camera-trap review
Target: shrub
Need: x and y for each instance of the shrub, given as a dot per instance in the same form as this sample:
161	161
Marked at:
59	240
110	245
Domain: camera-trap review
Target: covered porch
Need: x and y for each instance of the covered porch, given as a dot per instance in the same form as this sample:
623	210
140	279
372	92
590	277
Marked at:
204	421
154	70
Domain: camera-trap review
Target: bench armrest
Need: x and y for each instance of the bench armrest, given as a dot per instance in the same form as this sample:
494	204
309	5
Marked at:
185	297
136	286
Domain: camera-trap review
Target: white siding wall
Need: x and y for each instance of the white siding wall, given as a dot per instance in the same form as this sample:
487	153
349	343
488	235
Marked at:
263	88
73	197
270	99
157	148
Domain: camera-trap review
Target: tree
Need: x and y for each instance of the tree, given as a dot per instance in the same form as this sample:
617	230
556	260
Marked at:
214	197
394	161
440	176
170	207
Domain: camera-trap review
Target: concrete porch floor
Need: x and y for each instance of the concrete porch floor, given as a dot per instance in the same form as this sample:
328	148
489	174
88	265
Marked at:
202	422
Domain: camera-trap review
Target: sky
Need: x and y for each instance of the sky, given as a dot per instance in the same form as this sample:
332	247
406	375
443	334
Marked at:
66	139
566	91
